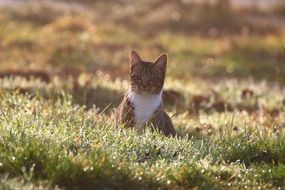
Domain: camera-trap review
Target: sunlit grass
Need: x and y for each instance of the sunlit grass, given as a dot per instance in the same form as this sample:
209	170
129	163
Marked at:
52	140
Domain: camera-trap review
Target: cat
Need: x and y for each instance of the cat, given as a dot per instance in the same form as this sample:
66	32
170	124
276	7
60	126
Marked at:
142	103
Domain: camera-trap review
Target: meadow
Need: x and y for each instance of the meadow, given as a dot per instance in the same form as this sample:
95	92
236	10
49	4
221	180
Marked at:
64	67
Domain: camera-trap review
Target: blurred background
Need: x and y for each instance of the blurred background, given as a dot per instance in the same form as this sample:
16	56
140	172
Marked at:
210	38
65	44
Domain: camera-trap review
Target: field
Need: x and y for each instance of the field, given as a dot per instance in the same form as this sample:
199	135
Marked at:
64	68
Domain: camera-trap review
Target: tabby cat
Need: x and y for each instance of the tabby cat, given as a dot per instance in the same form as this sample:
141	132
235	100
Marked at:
142	103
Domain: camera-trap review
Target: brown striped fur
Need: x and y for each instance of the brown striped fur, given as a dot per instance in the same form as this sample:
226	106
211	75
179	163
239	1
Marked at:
146	78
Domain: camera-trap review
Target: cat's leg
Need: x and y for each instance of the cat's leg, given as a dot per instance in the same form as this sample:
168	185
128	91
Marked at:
162	122
125	114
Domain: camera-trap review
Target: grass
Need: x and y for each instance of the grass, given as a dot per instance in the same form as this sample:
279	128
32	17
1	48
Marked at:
222	150
60	85
53	141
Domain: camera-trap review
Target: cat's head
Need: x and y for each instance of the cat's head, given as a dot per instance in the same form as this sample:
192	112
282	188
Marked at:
147	77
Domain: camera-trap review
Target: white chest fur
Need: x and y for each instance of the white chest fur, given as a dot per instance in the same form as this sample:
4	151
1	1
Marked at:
144	106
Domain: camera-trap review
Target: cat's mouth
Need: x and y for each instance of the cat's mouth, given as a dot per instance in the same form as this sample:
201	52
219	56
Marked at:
144	92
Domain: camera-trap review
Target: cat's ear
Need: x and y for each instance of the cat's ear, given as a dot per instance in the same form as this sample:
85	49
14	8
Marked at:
135	58
161	62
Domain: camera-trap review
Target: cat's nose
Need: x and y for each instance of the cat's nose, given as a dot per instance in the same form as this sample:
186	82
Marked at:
144	86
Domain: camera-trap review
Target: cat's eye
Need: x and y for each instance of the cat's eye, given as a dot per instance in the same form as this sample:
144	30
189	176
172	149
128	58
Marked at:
154	80
136	78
